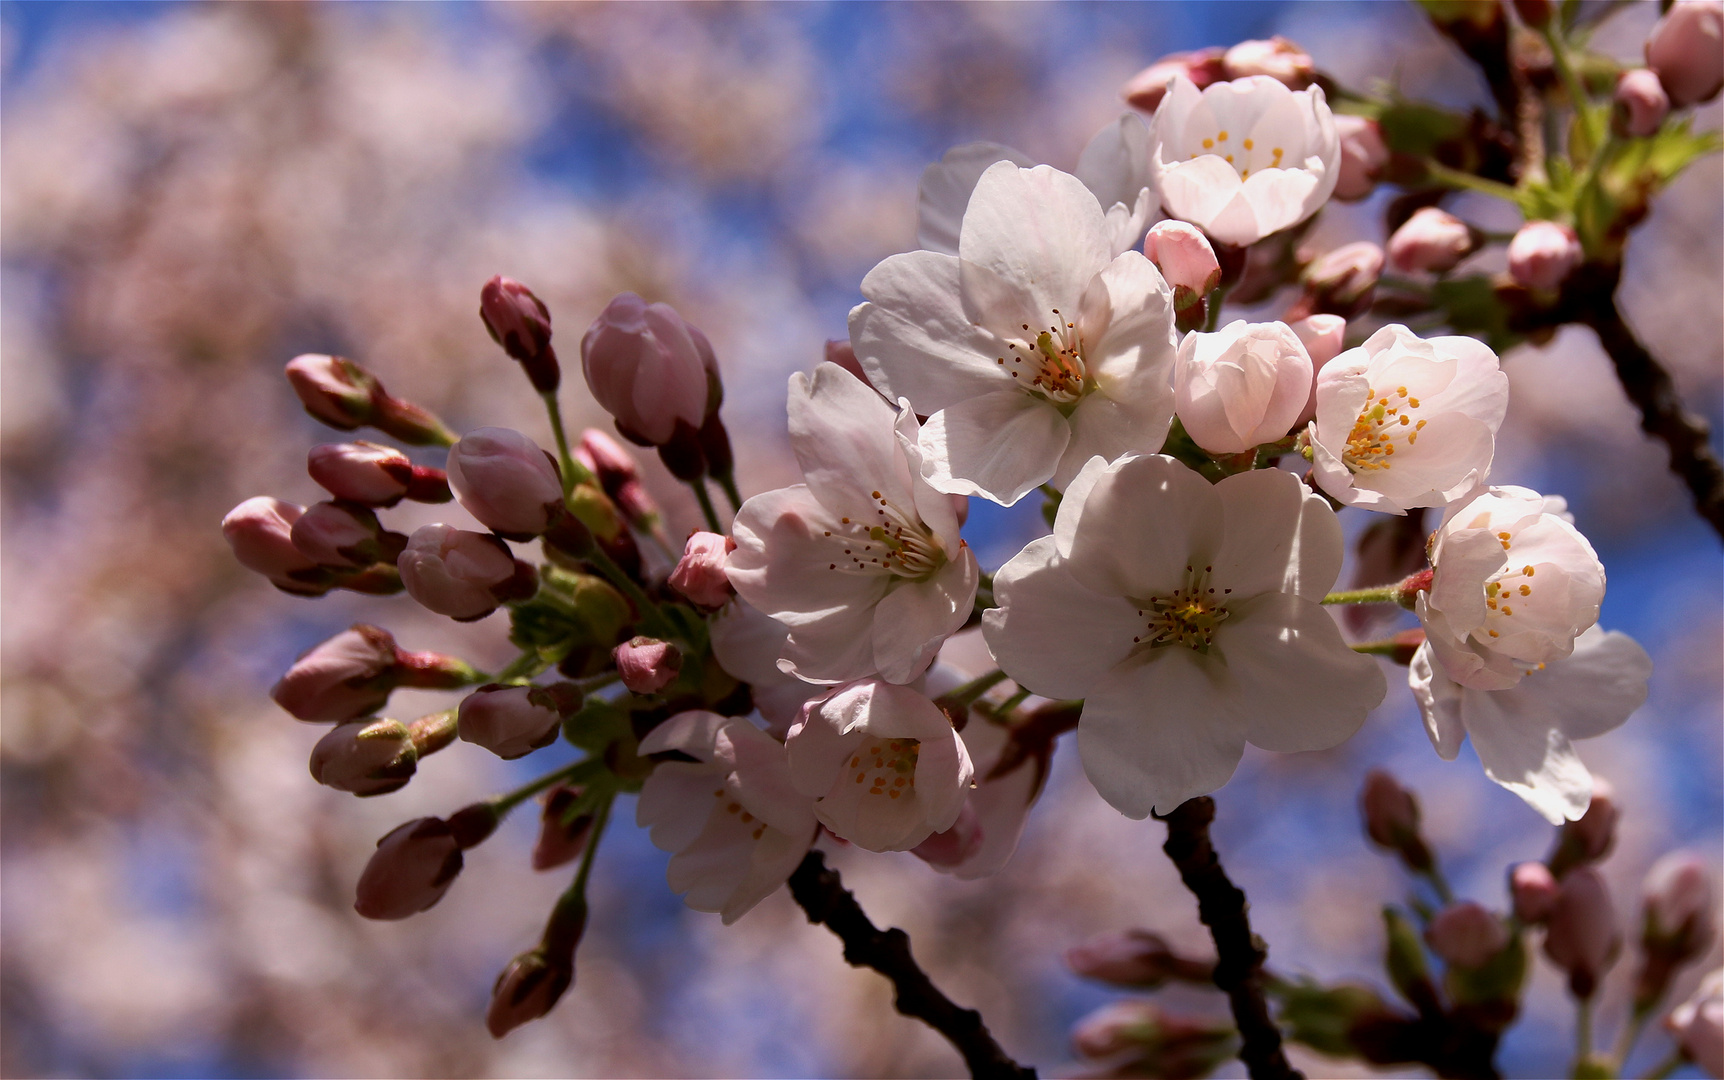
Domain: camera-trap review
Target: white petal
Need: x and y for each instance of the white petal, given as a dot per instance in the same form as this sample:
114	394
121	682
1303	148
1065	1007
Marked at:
914	619
1439	699
1535	761
846	441
1596	687
675	802
1200	191
836	648
761	782
774	858
1049	633
1261	512
1128	327
914	339
945	187
1105	428
1032	240
1114	166
1142	522
1000	446
694	733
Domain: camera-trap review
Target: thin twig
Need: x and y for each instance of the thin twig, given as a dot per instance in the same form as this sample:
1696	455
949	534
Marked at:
1221	906
820	891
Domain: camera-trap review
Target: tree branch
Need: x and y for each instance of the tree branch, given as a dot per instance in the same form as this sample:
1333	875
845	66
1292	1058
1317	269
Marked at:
1239	967
820	891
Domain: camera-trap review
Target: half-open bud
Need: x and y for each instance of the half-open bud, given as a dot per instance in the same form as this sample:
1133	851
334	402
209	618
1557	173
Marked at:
521	324
1543	254
505	480
1698	1025
1137	1038
1146	89
1432	239
1534	890
1241	386
1277	58
644	368
1185	258
1581	935
1364	156
647	665
462	574
367	757
1136	958
260	533
1686	48
345	536
511	721
699	574
1465	934
526	990
412	868
1677	926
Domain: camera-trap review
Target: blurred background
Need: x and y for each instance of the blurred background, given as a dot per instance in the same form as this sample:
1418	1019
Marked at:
194	194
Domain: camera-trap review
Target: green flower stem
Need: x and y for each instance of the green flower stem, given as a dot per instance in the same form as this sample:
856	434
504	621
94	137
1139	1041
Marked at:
1381	647
1382	594
1455	178
573	471
601	818
1630	1035
1212	311
521	669
1012	702
1590	119
706	508
651	617
1439	882
1582	1029
585	769
727	481
967	694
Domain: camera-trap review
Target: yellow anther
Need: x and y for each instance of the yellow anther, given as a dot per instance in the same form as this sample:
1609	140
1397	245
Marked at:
1222	136
1208	144
1401	390
1526	590
1527	570
1247	144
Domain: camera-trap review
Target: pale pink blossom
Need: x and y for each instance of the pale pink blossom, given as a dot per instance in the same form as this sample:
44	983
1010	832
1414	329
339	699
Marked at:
1581	935
1698	1025
1277	58
699	575
1543	254
512	721
732	818
461	574
1432	239
346	677
1035	349
644	367
1245	158
647	665
1404	421
1146	89
1686	48
1364	156
1183	255
1514	584
1466	934
945	851
1641	104
1160	587
862	562
504	480
365	757
260	533
882	764
747	645
986	834
1534	890
1241	386
412	868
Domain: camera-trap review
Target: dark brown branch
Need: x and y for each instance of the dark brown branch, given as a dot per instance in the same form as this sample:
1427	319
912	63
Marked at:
1239	967
820	891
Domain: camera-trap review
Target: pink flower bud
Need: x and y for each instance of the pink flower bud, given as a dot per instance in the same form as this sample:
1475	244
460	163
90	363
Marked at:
1543	254
646	664
461	574
410	871
644	367
1432	239
1241	386
1466	935
1364	155
1277	58
505	480
260	532
366	757
619	476
700	575
511	721
1185	259
956	844
344	678
1698	1025
521	324
1581	935
526	990
343	535
1390	811
1641	104
1324	336
334	389
1679	905
1146	89
1534	889
1589	839
1152	1042
561	838
1138	958
1686	48
1340	282
361	472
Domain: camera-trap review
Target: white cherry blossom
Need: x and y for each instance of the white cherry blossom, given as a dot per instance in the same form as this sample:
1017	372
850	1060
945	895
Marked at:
1523	733
862	561
1186	616
882	763
1513	583
1245	158
1031	351
1404	421
747	645
736	825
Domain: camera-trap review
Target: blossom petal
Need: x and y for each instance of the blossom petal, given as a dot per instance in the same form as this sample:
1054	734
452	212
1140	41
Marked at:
1535	761
668	794
1596	687
1439	699
1000	446
913	338
845	441
1049	633
1108	429
945	188
1032	240
775	857
1142	522
1200	190
1114	166
1127	316
915	619
1262	510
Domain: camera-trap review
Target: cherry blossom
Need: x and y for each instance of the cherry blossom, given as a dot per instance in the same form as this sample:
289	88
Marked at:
1523	734
862	561
1245	158
1241	386
882	764
997	808
747	644
1186	615
732	818
1033	350
1404	421
1504	551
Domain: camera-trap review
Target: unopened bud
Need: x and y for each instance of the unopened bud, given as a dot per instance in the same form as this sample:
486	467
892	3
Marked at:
1686	48
412	868
945	850
1466	935
1364	156
260	533
334	389
1185	258
1391	816
1641	104
619	475
1698	1025
1340	282
1589	839
1136	958
1152	1042
1324	336
344	535
1543	254
644	367
1677	926
346	677
1432	239
526	990
1146	89
512	721
505	480
366	757
647	665
462	574
1581	935
699	574
561	838
1277	58
361	472
521	324
1534	890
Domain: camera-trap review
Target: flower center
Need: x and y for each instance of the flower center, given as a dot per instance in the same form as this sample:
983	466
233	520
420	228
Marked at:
892	763
1251	154
1506	588
732	808
1049	362
895	542
1186	617
1384	419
